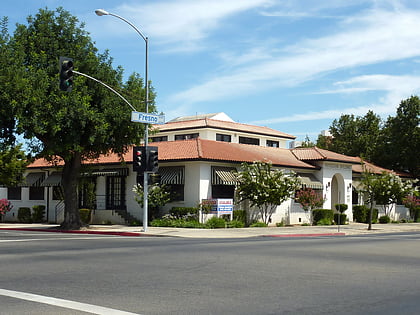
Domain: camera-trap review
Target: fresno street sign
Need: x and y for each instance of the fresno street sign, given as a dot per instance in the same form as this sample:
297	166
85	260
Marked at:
146	118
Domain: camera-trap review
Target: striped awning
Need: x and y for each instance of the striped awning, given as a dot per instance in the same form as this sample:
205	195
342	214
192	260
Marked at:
33	180
54	179
309	181
357	184
223	175
107	172
172	175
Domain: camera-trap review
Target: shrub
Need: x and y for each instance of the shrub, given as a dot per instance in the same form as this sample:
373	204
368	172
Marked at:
280	224
384	219
235	224
183	212
5	206
85	215
179	223
239	215
259	224
342	217
361	214
24	215
324	221
215	223
38	213
320	214
341	207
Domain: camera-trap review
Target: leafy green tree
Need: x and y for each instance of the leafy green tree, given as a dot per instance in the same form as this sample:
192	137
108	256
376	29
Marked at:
74	126
12	165
356	136
265	187
324	142
400	143
12	159
384	189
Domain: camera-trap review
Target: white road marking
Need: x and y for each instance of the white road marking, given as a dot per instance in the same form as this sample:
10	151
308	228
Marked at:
90	308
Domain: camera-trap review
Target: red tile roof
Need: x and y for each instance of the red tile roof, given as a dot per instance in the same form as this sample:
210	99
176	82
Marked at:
372	168
200	149
209	150
221	124
317	154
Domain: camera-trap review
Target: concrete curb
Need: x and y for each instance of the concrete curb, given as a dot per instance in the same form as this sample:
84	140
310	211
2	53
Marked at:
80	232
306	235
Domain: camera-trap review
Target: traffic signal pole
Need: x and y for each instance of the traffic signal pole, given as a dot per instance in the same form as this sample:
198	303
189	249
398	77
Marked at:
101	12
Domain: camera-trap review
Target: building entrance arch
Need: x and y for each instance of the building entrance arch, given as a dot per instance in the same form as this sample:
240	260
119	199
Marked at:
337	190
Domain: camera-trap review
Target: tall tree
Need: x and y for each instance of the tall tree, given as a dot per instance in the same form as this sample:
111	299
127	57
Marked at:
400	145
356	136
74	126
12	159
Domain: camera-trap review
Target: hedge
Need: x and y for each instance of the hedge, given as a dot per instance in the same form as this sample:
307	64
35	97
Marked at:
39	212
361	214
326	215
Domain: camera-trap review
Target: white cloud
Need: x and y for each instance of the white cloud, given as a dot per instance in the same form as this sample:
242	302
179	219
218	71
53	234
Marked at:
397	88
375	37
183	23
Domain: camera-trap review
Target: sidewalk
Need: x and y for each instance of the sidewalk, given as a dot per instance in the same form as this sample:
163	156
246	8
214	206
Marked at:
292	231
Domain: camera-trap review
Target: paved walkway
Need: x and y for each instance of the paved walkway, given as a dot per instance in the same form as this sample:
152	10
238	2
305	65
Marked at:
292	231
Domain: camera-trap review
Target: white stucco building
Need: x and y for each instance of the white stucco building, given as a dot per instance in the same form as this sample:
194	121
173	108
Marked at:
196	157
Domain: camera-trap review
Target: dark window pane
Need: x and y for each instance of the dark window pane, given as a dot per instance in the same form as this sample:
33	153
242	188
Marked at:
14	193
36	193
246	140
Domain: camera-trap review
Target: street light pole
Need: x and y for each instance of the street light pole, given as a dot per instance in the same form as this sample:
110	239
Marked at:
101	12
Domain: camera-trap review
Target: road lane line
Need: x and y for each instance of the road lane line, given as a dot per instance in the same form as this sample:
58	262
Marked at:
90	308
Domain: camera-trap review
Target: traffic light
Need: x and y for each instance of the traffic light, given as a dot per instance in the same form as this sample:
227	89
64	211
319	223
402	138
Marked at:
152	159
66	74
154	179
139	159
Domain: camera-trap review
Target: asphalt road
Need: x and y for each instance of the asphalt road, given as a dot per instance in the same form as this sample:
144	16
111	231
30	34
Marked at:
48	273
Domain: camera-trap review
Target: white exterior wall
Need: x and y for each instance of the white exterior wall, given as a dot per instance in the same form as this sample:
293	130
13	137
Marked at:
210	134
337	179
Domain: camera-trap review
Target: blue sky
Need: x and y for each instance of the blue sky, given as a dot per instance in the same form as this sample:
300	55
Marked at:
291	65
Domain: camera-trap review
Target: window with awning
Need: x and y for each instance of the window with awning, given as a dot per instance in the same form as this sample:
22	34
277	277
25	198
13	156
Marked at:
309	181
223	175
107	172
33	180
172	175
54	179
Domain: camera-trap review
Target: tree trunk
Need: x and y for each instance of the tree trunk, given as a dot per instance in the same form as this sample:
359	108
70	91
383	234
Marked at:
370	217
70	178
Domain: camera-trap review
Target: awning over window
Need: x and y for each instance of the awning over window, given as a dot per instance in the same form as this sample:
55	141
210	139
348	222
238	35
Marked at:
357	184
53	180
33	180
223	176
172	175
107	172
309	181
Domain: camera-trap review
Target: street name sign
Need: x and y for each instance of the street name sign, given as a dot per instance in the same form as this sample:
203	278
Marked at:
146	118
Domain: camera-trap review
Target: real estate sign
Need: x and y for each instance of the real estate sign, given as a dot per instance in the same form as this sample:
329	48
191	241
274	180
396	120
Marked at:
219	206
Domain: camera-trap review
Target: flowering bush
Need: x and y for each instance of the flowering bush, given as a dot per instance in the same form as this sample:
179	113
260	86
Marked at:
309	199
413	203
5	206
